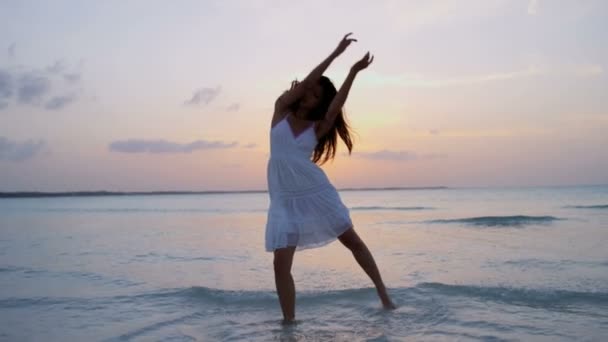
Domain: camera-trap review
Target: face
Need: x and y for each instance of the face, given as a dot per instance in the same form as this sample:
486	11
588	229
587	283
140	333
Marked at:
312	97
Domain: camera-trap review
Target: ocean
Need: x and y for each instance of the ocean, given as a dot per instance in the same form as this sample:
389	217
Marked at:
466	264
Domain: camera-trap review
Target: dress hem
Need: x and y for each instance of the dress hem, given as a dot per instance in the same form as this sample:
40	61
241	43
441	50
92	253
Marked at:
314	245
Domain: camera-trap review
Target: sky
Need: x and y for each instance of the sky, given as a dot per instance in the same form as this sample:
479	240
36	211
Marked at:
178	95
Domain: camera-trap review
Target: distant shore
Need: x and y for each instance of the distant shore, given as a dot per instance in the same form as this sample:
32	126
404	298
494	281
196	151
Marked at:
33	194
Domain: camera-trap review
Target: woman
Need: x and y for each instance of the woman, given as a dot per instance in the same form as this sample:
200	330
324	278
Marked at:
305	208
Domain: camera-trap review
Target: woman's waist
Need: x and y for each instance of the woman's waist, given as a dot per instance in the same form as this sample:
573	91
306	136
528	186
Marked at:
291	190
298	156
293	166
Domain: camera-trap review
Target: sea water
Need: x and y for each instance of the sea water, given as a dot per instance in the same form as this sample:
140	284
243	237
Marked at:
527	264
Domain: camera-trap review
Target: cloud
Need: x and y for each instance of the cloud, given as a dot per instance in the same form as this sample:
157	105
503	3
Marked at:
203	95
36	87
532	7
58	67
396	155
71	77
32	88
19	151
6	84
11	50
233	107
434	131
58	102
164	146
252	145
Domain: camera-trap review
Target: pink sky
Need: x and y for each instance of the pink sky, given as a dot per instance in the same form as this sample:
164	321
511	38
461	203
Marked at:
149	95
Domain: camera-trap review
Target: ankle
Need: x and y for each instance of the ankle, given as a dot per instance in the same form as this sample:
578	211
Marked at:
288	321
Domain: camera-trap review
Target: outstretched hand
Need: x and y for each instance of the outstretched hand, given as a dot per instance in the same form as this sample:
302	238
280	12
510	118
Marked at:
344	43
363	62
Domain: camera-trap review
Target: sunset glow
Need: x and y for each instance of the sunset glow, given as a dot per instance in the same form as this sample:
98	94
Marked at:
151	95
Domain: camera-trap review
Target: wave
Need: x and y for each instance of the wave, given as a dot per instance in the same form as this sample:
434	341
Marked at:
500	221
155	256
532	297
553	264
42	274
256	298
373	208
599	206
11	269
520	296
200	294
512	295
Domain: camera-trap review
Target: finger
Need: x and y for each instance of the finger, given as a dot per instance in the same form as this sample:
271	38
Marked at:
346	36
352	40
371	60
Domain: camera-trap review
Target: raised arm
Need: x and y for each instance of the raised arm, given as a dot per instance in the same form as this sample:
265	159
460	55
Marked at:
299	88
338	102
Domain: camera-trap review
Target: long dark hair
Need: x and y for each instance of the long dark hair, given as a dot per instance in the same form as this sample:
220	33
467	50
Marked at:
326	145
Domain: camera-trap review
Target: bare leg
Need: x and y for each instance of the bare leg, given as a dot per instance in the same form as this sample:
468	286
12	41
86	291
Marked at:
283	258
364	257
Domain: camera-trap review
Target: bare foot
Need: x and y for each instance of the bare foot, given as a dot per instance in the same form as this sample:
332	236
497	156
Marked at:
388	304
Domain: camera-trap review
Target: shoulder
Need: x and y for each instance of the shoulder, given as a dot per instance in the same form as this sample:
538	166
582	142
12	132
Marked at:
280	101
277	117
281	109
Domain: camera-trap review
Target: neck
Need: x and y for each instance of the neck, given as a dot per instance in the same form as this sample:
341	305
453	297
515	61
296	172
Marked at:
301	113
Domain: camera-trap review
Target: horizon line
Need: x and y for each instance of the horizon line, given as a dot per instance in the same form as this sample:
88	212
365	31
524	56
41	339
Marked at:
94	193
22	194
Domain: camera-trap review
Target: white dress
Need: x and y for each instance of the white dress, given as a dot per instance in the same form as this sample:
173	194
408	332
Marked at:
305	208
